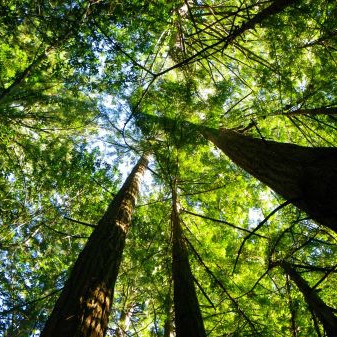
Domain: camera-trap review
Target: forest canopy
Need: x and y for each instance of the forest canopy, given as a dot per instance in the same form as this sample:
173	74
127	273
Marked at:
168	168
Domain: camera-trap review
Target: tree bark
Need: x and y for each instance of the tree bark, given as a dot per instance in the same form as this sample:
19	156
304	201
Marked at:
305	176
322	311
188	319
83	307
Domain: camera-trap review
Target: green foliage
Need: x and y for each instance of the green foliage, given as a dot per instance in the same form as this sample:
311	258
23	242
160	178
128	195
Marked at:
87	86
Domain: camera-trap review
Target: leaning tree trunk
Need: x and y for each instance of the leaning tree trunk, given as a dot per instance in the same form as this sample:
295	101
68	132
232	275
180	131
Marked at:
305	176
322	311
188	319
83	307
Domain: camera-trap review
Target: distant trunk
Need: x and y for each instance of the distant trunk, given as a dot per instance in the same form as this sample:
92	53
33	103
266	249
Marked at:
168	325
306	176
124	321
188	319
322	311
83	307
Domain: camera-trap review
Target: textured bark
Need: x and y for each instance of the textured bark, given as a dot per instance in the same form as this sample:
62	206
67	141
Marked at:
322	311
188	319
306	176
83	307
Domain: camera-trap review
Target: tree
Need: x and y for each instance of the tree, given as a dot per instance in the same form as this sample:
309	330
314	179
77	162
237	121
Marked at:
188	319
320	309
83	307
305	176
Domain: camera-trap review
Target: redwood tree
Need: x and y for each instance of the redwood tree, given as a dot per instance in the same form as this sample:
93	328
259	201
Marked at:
84	305
323	312
306	176
188	319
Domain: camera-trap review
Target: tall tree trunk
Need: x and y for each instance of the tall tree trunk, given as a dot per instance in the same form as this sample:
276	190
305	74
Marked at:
188	319
83	307
306	176
322	311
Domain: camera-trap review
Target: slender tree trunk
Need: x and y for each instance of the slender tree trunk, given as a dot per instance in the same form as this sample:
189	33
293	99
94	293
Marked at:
306	176
322	311
168	325
83	307
188	319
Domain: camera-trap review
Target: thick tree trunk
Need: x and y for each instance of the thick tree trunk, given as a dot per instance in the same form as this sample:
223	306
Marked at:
323	312
83	307
188	319
306	176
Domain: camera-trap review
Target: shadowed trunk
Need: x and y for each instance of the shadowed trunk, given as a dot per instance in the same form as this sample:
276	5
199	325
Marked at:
322	311
305	176
188	319
83	307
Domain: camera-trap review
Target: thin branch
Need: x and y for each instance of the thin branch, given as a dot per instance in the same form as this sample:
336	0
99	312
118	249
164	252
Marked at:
258	227
80	222
233	300
324	277
8	311
204	293
224	222
276	7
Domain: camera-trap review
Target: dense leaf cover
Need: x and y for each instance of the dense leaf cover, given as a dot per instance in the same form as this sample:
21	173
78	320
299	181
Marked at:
87	87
